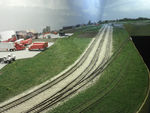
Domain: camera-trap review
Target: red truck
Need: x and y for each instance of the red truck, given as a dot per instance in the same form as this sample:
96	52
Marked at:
13	39
26	42
19	46
11	46
38	46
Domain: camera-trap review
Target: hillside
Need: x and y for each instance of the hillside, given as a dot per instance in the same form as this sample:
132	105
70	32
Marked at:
121	88
28	73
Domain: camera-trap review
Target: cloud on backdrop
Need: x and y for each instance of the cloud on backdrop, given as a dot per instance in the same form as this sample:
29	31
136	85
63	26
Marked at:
36	14
127	8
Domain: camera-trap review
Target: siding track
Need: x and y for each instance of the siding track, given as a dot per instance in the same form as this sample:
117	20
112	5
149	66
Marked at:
84	78
74	83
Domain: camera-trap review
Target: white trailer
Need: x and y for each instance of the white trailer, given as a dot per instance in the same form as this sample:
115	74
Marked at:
7	46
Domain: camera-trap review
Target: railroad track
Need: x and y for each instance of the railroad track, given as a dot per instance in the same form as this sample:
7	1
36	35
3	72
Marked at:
115	85
55	81
76	85
114	56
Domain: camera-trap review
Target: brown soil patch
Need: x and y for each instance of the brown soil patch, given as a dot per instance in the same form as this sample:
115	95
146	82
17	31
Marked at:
90	34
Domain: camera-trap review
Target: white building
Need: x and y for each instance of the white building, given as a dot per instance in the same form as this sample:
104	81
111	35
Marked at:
5	35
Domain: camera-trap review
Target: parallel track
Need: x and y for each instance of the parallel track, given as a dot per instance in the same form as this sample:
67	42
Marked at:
52	83
114	56
118	81
67	91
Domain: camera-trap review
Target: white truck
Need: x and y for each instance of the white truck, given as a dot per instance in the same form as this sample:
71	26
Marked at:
7	46
8	59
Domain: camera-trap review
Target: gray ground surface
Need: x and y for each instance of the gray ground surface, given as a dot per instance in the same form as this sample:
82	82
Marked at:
56	36
21	54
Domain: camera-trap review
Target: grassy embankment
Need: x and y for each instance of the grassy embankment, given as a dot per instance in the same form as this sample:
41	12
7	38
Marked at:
45	40
138	29
84	31
121	88
135	21
24	74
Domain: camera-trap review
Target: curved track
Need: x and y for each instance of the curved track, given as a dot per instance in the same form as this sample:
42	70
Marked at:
114	56
84	78
49	85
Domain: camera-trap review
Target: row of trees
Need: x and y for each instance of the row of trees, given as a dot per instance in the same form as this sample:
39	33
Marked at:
47	29
125	19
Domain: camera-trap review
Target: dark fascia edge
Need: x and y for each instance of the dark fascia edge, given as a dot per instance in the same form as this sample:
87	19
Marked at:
148	89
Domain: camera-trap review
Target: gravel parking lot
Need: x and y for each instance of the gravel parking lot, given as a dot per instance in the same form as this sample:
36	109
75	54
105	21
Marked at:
21	54
56	36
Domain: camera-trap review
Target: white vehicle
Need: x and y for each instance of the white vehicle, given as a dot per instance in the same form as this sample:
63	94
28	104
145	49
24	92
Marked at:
8	59
7	46
1	60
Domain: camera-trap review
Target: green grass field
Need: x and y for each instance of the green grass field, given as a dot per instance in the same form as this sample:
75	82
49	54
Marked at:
135	21
121	88
24	74
82	28
138	29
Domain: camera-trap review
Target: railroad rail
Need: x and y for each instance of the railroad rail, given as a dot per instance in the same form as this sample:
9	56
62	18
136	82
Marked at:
99	70
52	83
114	56
66	91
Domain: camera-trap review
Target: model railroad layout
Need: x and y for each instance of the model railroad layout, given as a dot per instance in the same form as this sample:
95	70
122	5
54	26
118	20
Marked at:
89	66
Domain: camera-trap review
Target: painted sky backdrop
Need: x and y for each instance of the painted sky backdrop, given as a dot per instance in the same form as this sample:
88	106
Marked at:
36	14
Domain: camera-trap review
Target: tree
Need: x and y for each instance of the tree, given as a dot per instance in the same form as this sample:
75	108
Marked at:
44	30
48	29
99	21
89	23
